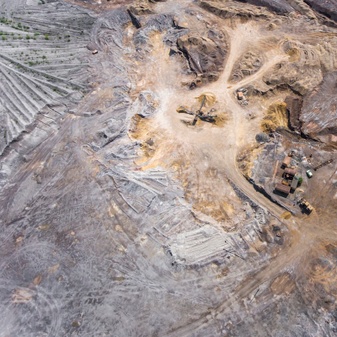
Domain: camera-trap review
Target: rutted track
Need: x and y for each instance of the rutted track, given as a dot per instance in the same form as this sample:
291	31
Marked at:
40	64
92	232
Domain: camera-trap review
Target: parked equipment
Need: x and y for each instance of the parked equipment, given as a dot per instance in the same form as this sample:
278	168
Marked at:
309	173
206	100
305	205
323	164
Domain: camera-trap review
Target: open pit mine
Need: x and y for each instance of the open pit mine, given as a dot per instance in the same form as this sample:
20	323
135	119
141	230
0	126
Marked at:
168	168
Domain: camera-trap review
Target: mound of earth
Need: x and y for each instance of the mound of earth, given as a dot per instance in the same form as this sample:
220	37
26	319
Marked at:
247	65
304	72
205	55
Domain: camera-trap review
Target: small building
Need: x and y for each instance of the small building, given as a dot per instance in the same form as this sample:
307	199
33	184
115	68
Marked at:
294	183
286	162
240	95
280	188
289	173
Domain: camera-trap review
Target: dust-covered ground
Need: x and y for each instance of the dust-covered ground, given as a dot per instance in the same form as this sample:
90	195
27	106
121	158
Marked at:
140	144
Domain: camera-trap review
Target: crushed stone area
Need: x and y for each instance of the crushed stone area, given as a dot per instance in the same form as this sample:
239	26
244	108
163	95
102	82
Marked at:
168	168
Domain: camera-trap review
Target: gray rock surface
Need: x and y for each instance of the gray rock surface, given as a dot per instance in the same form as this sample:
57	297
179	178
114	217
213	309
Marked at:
43	62
326	7
278	6
318	115
205	55
98	240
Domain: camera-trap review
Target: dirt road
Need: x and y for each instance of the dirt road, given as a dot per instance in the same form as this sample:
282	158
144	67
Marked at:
222	144
111	232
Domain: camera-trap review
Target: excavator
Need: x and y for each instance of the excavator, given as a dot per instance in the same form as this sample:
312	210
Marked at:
323	164
206	99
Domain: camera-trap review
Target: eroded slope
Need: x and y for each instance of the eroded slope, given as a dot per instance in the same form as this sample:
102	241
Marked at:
123	218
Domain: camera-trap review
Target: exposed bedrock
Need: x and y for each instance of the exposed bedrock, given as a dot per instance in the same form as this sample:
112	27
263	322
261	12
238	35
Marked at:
309	8
294	106
307	66
326	7
319	110
278	6
205	55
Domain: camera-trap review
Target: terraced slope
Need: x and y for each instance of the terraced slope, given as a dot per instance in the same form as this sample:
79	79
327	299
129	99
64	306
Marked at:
42	61
121	218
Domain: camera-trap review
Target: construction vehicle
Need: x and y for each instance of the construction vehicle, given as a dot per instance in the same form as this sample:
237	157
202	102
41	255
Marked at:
206	100
309	173
323	164
306	206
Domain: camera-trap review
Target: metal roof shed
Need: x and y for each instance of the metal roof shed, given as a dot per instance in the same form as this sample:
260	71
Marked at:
290	171
282	188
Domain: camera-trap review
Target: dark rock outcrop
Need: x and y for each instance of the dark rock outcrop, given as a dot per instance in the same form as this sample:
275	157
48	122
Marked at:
278	6
325	7
294	106
319	111
233	9
205	55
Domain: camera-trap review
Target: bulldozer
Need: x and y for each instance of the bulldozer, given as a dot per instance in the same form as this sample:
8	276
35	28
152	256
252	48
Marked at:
206	100
306	206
